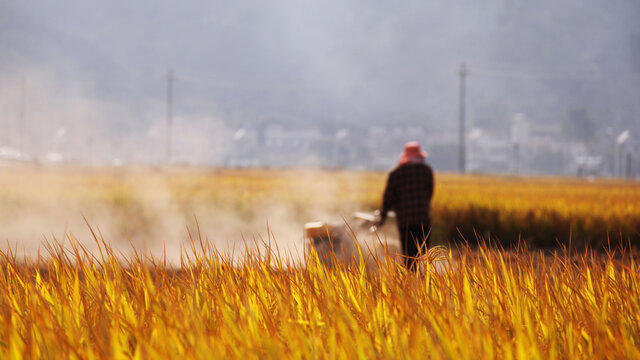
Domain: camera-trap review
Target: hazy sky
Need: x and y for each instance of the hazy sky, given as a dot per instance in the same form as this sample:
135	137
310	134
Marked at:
103	65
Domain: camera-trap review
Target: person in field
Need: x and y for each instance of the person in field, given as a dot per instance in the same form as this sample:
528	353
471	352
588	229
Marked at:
408	192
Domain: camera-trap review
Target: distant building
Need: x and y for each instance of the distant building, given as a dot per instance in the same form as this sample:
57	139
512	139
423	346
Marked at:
488	152
245	149
277	137
295	147
587	165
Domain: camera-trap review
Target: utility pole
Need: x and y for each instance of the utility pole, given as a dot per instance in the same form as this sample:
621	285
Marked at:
461	149
516	158
23	110
169	116
620	151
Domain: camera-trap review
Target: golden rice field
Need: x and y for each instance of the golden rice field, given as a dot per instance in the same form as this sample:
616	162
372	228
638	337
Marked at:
142	205
85	298
487	306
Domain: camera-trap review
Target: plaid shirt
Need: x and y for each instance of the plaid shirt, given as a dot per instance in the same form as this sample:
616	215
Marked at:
408	192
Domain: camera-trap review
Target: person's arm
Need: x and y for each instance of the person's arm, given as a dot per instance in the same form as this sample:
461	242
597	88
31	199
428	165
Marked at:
431	183
387	199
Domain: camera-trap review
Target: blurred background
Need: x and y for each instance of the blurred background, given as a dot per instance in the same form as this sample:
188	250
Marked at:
531	87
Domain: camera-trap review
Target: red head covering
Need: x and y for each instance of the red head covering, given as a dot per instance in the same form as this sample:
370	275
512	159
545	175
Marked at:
412	153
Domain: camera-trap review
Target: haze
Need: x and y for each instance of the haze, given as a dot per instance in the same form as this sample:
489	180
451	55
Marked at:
329	83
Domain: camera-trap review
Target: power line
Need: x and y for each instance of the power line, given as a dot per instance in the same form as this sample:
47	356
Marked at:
461	150
230	83
545	76
169	115
23	111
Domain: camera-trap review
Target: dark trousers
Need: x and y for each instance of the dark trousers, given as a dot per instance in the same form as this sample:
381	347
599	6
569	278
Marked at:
414	240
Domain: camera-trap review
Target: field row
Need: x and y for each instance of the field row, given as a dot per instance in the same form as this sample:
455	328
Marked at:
139	204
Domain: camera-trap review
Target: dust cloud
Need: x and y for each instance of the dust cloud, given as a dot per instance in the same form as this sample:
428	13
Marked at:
149	210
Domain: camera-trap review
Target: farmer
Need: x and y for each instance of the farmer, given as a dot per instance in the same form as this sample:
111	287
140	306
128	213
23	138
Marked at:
408	192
